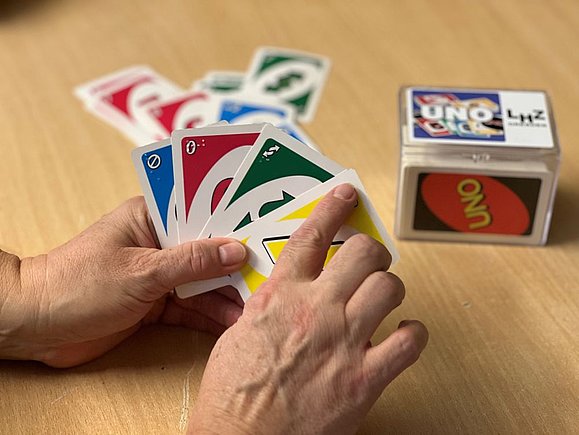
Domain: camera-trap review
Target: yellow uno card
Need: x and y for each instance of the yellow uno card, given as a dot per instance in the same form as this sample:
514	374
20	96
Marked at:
266	237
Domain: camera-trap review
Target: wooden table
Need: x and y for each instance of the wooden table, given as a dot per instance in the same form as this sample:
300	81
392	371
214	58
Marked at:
503	355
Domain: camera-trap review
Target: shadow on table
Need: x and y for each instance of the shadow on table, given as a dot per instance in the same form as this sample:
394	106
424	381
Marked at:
565	221
10	9
155	346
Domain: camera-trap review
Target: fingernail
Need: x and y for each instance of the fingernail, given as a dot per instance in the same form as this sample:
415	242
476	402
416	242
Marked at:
344	191
231	253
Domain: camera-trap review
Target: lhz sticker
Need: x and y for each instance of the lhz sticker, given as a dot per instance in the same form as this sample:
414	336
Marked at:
476	203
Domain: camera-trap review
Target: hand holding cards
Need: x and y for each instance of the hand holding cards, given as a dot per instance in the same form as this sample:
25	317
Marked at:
251	182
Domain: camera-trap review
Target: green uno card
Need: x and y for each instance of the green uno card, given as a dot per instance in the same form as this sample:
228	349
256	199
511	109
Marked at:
277	169
293	77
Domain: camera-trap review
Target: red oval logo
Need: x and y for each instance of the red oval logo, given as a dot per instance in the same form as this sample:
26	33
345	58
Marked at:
475	204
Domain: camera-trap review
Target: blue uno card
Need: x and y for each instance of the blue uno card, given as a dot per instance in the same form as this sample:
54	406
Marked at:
154	165
248	112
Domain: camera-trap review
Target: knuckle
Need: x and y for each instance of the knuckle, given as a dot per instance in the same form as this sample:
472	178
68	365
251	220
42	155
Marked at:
408	345
393	286
145	268
201	258
308	236
136	203
370	246
136	208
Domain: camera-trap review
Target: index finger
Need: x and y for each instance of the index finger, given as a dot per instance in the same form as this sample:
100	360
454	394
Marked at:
304	255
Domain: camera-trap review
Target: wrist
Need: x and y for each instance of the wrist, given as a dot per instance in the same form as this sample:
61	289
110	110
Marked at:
208	420
18	309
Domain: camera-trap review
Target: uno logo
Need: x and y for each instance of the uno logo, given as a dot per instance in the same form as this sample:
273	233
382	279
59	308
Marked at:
475	204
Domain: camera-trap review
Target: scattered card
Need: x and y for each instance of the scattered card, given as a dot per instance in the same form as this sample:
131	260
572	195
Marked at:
293	77
220	82
241	110
122	103
186	110
245	111
88	91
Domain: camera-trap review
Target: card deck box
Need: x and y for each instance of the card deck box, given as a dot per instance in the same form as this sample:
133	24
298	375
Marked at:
476	165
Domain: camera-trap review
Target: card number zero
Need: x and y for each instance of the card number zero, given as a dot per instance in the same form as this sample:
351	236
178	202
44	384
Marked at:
191	147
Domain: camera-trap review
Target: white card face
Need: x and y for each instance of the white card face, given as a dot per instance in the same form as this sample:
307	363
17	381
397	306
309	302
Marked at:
276	170
267	237
205	161
125	105
88	91
154	166
293	77
186	110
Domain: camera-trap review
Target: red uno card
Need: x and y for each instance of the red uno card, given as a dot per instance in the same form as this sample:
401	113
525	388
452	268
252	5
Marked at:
186	110
205	161
125	105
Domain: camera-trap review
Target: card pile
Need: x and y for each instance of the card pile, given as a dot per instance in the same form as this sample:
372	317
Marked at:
281	87
251	182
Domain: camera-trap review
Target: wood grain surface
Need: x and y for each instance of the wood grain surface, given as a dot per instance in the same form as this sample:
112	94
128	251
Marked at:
503	355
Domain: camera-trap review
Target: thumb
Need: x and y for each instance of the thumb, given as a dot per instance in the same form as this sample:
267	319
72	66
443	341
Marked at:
196	260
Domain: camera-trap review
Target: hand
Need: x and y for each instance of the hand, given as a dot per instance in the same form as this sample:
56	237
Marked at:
299	359
86	296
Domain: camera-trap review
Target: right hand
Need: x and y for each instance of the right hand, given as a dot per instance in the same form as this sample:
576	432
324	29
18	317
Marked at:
299	359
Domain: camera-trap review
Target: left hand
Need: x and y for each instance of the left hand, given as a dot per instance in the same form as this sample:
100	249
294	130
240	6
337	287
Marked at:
86	296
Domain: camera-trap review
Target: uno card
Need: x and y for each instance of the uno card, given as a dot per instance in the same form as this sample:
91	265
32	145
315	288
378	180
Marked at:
186	110
246	111
154	165
220	82
88	91
242	110
277	169
293	77
297	133
125	105
267	237
205	161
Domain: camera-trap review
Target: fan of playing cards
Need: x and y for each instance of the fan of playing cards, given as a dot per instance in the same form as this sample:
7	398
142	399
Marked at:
281	87
228	159
252	182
